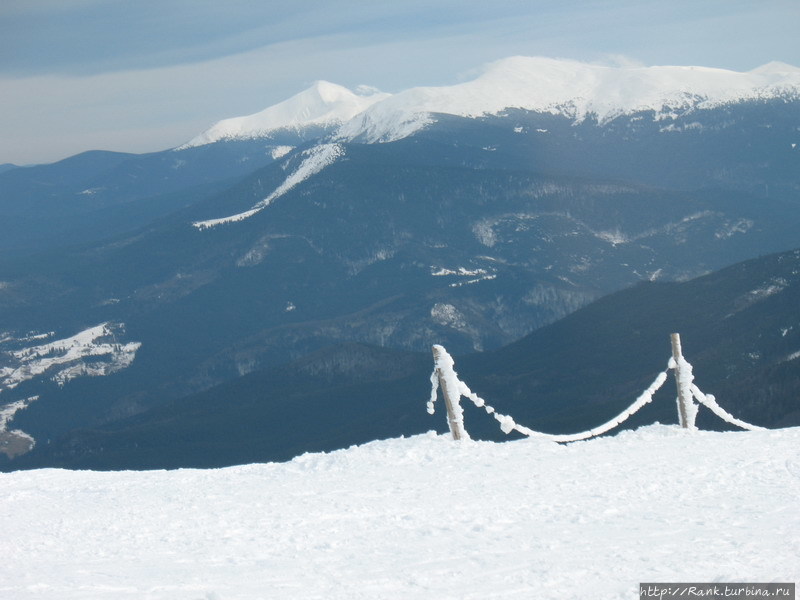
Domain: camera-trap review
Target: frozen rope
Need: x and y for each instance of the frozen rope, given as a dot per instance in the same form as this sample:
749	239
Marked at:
507	423
710	402
644	398
683	369
684	376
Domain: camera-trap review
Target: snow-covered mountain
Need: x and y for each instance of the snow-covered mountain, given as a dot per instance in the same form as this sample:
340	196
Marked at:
573	89
555	86
324	104
543	85
417	518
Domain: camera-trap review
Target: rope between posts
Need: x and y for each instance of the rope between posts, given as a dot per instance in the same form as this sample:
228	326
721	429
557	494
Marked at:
507	423
710	402
683	371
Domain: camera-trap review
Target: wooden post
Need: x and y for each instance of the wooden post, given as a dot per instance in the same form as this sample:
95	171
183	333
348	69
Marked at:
451	397
677	357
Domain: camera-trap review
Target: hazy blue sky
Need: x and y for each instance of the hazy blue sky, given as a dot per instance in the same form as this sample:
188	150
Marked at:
144	75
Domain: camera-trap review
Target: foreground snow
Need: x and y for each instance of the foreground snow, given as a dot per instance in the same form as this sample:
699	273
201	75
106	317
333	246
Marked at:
422	517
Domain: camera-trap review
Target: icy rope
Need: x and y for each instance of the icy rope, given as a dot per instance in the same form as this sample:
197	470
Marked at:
711	403
507	423
445	363
684	375
683	370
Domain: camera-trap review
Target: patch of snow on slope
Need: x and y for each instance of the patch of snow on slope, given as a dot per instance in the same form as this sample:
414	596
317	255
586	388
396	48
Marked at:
732	228
461	271
8	411
477	275
14	442
416	518
472	281
314	161
324	103
769	288
93	352
448	315
280	151
570	88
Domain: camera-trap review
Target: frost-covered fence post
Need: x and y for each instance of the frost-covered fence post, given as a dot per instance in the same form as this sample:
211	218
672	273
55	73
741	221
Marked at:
448	382
687	411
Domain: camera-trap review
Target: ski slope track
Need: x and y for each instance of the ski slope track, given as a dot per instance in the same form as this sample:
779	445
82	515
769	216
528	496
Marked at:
419	517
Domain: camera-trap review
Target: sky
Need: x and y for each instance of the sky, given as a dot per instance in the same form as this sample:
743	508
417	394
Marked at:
148	75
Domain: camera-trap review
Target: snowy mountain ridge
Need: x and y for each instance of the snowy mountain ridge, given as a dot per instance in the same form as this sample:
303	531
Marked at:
573	89
324	103
563	87
420	517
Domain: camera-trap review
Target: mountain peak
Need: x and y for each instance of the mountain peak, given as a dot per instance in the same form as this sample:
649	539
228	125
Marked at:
323	103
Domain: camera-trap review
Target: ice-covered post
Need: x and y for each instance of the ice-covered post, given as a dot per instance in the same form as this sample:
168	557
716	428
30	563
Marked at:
448	382
683	380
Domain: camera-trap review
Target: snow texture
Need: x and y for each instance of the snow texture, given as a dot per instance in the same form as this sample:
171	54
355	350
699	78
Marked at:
416	518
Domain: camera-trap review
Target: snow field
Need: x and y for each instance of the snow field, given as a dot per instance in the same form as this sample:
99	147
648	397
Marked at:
421	517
